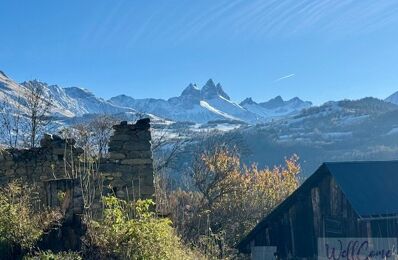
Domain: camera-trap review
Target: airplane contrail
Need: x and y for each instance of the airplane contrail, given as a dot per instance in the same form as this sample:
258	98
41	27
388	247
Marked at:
285	77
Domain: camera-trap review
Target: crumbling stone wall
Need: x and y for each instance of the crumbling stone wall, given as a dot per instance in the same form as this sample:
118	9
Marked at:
53	160
55	170
128	172
129	169
66	195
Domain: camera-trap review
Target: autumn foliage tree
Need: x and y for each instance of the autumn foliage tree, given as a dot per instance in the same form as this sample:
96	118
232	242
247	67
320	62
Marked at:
229	198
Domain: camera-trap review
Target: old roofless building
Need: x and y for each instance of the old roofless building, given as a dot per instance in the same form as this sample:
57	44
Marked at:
55	167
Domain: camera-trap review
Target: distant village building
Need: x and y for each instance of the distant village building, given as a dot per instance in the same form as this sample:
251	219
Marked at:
340	200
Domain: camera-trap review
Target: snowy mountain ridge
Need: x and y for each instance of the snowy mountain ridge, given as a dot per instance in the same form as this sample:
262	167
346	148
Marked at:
66	102
209	103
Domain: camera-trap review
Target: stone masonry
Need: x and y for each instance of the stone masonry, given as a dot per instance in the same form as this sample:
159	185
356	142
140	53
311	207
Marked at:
36	166
55	169
128	172
129	169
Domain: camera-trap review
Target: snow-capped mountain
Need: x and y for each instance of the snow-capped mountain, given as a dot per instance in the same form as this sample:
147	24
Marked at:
393	98
194	105
12	96
209	103
361	129
88	103
197	105
276	107
66	102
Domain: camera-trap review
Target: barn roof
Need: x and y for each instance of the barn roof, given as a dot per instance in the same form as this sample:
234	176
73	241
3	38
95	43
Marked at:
371	187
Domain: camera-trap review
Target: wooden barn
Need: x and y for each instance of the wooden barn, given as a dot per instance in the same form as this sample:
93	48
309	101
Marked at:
341	199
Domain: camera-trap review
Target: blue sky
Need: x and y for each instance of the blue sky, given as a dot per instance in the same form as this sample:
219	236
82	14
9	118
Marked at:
317	50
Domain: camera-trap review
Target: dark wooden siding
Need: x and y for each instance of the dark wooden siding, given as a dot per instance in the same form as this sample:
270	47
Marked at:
320	210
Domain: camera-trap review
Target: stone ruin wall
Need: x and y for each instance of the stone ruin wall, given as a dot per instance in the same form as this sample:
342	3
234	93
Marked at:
129	169
128	172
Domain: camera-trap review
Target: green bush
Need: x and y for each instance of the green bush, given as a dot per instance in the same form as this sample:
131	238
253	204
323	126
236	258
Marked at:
20	226
48	255
130	231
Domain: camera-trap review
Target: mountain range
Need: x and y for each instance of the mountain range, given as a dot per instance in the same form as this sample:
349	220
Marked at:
209	103
363	129
197	105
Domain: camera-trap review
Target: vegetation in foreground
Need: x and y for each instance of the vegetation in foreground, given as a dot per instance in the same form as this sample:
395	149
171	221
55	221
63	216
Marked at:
126	231
224	201
21	223
227	200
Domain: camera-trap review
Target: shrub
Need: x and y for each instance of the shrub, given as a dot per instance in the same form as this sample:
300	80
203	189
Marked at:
48	255
132	231
20	225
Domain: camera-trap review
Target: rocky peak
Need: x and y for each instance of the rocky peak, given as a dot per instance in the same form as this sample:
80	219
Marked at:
297	102
221	92
34	82
247	101
191	90
36	85
273	103
278	99
211	90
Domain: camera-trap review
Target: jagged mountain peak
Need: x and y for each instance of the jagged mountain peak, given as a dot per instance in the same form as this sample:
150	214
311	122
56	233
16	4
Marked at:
191	90
209	84
195	104
212	103
49	89
277	99
34	82
273	102
211	90
247	101
221	92
298	101
279	102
